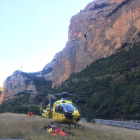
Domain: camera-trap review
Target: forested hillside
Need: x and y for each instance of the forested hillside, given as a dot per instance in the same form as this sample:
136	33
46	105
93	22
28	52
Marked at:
108	88
111	86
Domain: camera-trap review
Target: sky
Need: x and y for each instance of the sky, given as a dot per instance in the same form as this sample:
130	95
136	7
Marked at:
32	32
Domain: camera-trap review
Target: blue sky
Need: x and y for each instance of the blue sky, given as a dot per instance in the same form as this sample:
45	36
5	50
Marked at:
32	32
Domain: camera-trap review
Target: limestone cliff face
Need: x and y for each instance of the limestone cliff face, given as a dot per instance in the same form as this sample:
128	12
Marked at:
48	69
14	84
97	31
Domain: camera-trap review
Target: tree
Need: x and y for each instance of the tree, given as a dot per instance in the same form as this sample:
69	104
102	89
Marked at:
134	107
137	95
111	102
34	108
128	98
127	77
126	109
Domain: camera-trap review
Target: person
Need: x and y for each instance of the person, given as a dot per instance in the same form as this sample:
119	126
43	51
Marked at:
29	113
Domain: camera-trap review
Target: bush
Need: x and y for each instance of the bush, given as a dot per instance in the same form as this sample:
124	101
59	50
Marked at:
34	108
89	116
101	6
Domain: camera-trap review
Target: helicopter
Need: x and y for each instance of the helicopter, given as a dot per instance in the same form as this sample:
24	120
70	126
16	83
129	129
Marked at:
63	111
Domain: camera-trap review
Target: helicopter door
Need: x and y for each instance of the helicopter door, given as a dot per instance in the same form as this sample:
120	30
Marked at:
59	109
59	112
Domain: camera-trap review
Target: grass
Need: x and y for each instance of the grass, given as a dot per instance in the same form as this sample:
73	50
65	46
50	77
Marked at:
20	126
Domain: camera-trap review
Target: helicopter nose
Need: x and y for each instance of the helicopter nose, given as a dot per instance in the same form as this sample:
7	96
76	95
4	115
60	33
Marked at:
76	115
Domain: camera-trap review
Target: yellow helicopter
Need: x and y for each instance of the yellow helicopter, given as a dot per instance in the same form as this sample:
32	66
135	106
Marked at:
63	111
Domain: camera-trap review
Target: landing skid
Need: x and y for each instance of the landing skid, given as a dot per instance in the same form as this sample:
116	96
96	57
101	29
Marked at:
75	125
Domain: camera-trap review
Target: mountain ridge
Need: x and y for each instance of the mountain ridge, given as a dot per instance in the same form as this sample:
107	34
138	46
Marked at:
95	32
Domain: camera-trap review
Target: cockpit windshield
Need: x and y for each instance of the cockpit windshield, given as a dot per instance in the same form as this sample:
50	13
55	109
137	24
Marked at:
68	107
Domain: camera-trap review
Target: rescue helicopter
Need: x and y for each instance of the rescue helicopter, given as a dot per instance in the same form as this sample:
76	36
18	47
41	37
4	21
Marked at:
63	111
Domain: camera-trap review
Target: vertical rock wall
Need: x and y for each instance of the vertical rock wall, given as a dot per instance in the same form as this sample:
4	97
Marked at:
97	31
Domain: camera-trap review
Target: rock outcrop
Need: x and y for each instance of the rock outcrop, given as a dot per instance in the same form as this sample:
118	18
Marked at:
14	84
98	31
34	97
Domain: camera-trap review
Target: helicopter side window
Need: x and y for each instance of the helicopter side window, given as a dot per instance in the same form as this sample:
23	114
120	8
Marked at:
59	109
56	109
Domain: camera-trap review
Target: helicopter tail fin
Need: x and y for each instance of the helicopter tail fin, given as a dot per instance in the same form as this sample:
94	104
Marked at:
50	97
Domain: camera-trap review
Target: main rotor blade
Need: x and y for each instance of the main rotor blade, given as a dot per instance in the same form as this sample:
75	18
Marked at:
52	96
57	94
70	94
45	93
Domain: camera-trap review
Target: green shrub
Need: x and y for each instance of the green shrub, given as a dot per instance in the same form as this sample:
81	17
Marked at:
89	116
34	108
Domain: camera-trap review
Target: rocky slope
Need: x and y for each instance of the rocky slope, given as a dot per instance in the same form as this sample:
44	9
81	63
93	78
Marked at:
29	82
100	30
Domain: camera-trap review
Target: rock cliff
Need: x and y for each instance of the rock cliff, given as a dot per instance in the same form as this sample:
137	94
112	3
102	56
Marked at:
15	83
98	31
